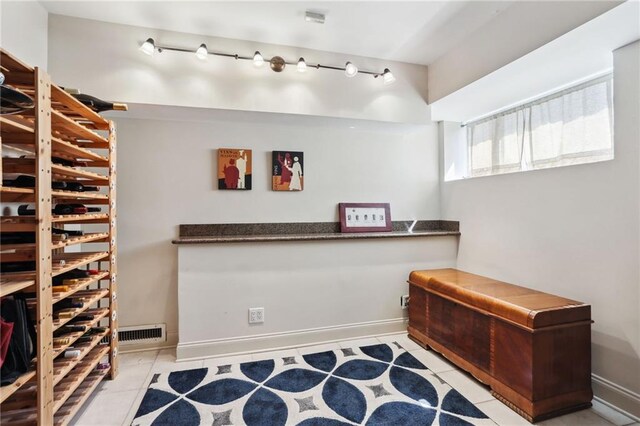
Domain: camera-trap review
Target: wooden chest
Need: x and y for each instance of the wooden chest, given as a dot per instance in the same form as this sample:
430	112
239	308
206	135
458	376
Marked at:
532	348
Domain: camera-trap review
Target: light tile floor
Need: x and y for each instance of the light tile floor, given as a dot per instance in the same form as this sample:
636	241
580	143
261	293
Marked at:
115	402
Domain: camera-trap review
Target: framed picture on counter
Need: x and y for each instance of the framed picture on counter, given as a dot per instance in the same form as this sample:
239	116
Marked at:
234	169
365	217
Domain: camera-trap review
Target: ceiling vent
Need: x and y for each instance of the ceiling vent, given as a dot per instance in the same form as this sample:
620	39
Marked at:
315	17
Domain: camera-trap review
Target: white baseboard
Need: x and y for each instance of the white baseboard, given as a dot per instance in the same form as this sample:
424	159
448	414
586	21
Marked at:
616	397
290	339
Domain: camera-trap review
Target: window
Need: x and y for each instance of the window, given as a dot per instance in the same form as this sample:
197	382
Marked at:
574	126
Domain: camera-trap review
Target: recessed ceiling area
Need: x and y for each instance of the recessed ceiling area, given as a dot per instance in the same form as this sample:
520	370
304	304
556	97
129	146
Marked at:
416	32
579	55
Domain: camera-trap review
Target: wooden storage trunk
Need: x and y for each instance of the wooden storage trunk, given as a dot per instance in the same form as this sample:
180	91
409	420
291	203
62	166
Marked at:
532	348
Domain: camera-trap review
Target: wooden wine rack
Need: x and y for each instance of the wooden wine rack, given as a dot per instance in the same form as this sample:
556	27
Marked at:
55	388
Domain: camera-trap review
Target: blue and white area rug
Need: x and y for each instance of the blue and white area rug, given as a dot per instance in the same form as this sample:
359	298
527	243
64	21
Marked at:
373	385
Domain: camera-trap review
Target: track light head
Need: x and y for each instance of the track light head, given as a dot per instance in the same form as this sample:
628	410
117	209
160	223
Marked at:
387	77
302	65
202	52
148	47
258	60
350	70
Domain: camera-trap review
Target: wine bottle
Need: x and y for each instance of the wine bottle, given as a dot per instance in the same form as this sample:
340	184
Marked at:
22	181
68	232
98	105
65	314
26	181
67	304
24	210
74	209
60	209
84	317
70	328
17	237
61	341
23	266
61	280
59	237
78	187
62	161
71	353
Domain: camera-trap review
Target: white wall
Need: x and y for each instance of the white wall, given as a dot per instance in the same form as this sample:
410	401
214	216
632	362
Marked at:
167	176
523	27
103	59
311	291
573	231
23	31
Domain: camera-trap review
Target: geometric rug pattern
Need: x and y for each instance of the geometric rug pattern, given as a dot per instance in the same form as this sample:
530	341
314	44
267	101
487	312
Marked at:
380	384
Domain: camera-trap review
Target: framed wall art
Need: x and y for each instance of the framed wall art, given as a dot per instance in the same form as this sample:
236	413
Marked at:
234	168
365	217
287	169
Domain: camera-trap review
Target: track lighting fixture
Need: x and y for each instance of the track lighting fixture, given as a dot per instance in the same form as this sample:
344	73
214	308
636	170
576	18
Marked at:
202	52
148	47
302	65
258	60
350	70
277	63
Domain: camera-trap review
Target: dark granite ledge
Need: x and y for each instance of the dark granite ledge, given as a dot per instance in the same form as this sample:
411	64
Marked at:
262	232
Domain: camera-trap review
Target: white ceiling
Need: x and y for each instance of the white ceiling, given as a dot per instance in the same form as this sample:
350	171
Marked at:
415	31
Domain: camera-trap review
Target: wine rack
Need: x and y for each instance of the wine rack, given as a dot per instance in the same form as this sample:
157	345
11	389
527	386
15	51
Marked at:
59	127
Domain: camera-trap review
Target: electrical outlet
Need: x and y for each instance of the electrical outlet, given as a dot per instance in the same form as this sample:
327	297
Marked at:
404	301
256	315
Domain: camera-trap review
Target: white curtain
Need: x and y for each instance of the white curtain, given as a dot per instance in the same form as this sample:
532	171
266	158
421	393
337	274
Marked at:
496	144
570	127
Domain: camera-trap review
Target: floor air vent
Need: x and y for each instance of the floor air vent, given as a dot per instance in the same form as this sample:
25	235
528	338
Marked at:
142	334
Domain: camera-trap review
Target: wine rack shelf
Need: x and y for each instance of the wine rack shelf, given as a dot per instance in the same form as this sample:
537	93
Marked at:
75	131
62	391
70	241
10	194
59	127
7	391
78	195
14	190
81	218
69	261
69	151
17	224
74	313
11	125
11	285
72	108
62	366
97	314
93	237
72	174
70	383
69	409
80	285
